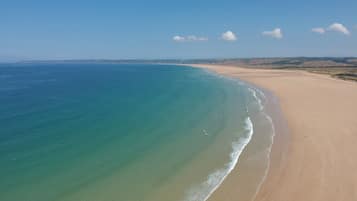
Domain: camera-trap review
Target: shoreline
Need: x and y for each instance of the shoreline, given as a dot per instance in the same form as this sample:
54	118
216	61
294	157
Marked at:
320	112
266	145
280	137
258	119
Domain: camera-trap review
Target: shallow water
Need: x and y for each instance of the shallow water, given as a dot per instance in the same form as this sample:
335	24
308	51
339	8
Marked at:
118	132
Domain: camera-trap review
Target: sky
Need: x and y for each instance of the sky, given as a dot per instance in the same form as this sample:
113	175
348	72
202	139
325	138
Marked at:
176	29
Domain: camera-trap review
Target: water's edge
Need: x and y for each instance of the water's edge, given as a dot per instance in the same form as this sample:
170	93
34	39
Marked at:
280	140
270	108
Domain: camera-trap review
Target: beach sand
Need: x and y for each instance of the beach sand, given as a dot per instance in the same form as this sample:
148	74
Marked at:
319	162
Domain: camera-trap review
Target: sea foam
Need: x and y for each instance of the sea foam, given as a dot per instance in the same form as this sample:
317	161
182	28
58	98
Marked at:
269	149
214	180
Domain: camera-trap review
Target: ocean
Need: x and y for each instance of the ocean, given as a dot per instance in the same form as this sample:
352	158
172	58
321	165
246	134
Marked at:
124	132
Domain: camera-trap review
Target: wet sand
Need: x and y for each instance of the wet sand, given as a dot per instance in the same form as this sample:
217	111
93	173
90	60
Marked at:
316	160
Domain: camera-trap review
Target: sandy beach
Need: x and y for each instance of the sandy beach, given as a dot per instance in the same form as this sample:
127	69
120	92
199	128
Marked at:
319	163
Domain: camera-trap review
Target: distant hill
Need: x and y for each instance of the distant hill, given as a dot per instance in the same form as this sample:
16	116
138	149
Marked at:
342	68
304	62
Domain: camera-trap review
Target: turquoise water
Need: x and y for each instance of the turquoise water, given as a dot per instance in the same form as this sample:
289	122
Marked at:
117	132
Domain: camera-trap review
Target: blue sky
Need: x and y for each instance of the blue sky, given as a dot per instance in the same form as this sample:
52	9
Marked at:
128	29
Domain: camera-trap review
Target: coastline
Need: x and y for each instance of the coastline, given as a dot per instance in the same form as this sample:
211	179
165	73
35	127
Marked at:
257	122
250	172
321	116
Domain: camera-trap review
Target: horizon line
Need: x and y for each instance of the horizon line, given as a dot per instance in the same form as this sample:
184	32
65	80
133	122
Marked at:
172	59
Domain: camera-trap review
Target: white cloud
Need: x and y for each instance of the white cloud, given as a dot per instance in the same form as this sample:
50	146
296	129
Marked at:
190	38
195	38
178	38
338	28
276	33
229	36
319	30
